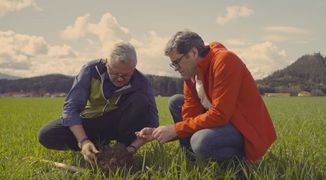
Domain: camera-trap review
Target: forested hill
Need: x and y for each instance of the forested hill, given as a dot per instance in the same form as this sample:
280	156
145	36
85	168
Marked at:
56	84
308	73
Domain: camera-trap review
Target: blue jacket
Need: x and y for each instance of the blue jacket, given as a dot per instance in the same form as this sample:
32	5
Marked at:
78	95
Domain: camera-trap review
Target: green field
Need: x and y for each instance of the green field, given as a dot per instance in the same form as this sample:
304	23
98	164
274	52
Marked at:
299	152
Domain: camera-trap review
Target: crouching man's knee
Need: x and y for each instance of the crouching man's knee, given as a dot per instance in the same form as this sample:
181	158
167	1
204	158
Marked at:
43	137
208	144
56	136
200	144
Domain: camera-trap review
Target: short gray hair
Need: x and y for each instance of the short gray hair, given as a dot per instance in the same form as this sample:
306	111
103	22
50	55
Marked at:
183	41
123	52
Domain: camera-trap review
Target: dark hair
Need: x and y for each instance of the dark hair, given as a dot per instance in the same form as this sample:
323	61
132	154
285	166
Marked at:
183	41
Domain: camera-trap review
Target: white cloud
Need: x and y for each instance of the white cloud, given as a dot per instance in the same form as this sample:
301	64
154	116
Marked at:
38	57
62	52
48	65
18	49
263	58
77	30
15	5
26	55
233	13
150	49
287	29
151	58
152	46
107	30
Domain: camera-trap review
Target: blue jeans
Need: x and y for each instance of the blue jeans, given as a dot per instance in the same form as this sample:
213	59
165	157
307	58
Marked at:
220	144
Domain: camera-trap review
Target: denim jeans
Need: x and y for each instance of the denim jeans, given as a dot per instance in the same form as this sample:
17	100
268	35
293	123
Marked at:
220	144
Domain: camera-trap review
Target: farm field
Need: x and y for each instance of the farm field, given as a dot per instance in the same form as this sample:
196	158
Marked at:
298	153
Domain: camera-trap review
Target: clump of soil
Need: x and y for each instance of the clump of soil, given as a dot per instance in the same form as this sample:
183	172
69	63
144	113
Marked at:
117	156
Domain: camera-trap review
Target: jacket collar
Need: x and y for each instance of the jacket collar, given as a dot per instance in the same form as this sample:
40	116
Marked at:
204	64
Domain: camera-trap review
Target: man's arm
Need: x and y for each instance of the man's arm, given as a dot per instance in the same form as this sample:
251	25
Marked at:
136	144
74	103
88	149
78	132
77	98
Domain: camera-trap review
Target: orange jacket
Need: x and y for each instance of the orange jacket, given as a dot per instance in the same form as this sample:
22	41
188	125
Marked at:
234	96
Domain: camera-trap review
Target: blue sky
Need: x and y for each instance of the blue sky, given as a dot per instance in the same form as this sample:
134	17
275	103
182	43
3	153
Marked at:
40	37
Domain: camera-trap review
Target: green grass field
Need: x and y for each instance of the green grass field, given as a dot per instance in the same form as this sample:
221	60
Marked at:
299	152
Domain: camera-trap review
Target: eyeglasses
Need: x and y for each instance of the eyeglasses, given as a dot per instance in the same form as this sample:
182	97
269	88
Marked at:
124	76
175	64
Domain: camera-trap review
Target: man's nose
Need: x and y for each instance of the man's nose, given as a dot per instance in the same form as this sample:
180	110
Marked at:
120	79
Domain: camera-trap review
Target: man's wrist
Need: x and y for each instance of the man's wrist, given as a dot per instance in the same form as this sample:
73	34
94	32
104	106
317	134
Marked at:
131	148
82	141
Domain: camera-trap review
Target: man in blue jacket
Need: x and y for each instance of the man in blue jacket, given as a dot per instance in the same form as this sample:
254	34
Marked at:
109	100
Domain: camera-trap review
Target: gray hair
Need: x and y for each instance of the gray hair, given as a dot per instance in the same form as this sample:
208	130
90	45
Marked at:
123	52
183	41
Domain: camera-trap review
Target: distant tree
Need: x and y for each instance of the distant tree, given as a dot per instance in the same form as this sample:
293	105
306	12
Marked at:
317	92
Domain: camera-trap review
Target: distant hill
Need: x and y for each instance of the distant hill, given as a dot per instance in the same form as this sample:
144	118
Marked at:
5	76
37	86
308	73
58	84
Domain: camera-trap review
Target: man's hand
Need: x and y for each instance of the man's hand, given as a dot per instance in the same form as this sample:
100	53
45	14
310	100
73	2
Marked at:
165	133
88	150
145	134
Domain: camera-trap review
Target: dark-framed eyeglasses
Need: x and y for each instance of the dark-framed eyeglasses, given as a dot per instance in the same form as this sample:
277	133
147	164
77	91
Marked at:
175	64
124	76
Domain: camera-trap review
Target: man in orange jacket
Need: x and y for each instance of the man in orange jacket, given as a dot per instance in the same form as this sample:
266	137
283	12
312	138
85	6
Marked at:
221	115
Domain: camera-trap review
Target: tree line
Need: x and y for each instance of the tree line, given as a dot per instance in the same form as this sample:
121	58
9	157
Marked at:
58	83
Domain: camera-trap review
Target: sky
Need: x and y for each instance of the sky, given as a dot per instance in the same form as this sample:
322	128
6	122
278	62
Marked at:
40	37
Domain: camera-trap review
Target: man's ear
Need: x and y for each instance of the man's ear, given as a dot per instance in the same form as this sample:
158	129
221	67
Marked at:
194	50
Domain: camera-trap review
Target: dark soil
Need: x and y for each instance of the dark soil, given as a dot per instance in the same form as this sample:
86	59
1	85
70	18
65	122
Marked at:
117	156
